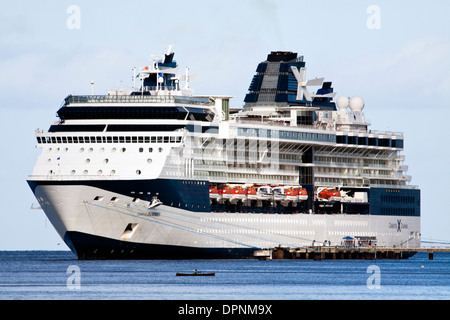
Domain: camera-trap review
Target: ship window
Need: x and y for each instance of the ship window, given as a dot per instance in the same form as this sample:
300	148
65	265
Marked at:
105	161
160	149
73	172
98	198
114	199
64	139
149	160
121	139
81	139
81	149
88	161
138	172
153	139
58	139
128	139
150	150
141	150
85	172
99	139
134	139
166	139
108	139
86	139
113	172
123	149
159	139
140	139
99	172
147	139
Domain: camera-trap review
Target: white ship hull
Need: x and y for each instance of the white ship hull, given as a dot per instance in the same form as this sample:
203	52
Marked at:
105	229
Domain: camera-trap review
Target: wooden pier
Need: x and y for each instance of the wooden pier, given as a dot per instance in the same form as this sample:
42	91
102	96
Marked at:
343	252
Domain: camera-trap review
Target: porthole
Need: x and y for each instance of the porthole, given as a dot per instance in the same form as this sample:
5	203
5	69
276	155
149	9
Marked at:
149	160
91	149
73	172
102	149
88	161
49	160
123	149
113	150
81	149
99	172
85	172
105	161
150	150
113	171
160	149
138	172
141	150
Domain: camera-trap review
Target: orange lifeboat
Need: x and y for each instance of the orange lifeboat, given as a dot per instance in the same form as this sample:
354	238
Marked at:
237	193
213	192
251	193
330	194
302	194
226	192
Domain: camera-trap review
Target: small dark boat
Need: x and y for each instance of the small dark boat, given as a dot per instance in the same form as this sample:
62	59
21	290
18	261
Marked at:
196	274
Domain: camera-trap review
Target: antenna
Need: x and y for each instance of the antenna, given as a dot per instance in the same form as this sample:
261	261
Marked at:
187	79
92	87
134	78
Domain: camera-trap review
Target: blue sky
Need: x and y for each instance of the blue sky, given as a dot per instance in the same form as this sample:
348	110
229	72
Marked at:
402	70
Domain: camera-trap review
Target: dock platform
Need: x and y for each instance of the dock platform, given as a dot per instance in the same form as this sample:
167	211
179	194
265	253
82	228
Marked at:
343	252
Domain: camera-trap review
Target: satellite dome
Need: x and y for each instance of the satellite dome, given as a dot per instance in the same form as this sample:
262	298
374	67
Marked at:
342	103
356	104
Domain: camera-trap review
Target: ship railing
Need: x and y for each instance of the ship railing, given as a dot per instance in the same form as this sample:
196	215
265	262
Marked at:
119	99
137	99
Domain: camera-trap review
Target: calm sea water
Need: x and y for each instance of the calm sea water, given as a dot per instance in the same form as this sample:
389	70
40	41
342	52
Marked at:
58	275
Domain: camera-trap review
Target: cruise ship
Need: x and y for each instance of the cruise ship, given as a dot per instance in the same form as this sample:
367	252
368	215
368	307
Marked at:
157	172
